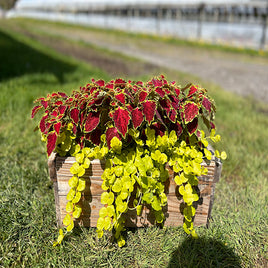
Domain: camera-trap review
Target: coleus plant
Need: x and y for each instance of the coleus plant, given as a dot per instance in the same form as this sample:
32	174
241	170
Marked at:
140	129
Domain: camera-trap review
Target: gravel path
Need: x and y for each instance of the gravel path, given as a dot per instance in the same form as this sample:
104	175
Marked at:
245	75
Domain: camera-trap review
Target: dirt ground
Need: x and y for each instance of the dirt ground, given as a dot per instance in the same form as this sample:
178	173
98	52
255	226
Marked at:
245	75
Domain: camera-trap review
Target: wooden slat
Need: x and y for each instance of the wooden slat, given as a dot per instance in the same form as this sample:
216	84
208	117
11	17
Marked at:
91	196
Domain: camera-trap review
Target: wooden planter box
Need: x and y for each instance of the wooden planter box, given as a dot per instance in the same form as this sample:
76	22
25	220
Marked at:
59	172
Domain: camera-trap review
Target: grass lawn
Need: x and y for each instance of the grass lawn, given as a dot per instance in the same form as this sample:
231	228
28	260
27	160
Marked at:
238	233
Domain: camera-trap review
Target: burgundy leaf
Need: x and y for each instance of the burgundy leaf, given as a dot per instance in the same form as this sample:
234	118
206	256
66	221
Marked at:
35	110
159	117
120	81
62	94
177	91
74	129
174	102
58	103
173	115
82	117
207	104
51	142
48	125
193	89
165	104
137	117
160	92
74	114
159	129
178	128
121	120
192	126
157	83
190	111
149	109
95	136
92	90
57	127
44	103
142	96
212	125
121	97
130	107
100	83
54	114
110	133
99	101
39	99
42	124
62	109
109	86
92	121
167	91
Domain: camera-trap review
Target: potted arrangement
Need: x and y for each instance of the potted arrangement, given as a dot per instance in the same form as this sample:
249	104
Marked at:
142	138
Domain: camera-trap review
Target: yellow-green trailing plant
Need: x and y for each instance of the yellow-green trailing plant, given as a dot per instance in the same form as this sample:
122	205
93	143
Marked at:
140	130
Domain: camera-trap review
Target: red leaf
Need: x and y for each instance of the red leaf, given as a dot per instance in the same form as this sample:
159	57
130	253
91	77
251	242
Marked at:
193	89
44	103
121	97
172	115
92	121
159	129
174	102
74	114
120	81
62	94
110	133
48	125
192	126
100	83
62	109
190	111
167	91
51	142
165	104
74	129
99	101
149	108
157	83
137	117
35	110
42	124
58	103
177	90
130	107
121	120
160	92
212	125
178	128
207	104
142	96
54	114
82	117
109	86
95	136
57	127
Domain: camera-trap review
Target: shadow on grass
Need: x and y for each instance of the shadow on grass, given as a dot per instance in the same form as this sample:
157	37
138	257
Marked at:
17	59
203	252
